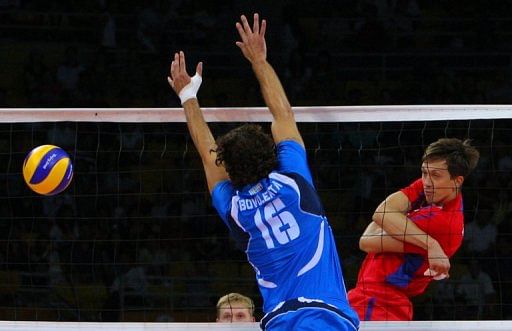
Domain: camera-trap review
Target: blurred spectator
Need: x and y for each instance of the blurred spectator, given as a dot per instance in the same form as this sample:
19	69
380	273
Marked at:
480	234
68	74
297	76
291	36
502	208
504	163
444	299
198	285
501	90
55	272
193	208
82	260
6	4
323	79
34	76
504	266
164	318
149	22
109	31
369	32
406	11
204	23
63	136
130	287
477	291
50	91
132	283
56	234
95	81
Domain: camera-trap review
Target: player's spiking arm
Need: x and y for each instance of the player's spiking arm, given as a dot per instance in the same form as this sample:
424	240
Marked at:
391	215
186	88
254	48
376	240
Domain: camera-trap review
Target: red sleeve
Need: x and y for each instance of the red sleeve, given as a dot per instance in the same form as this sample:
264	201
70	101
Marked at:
445	227
413	191
427	219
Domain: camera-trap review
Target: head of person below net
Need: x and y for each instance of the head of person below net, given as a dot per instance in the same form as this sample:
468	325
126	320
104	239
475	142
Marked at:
235	308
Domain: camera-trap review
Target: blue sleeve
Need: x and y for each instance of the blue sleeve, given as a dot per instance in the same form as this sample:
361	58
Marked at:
292	158
222	195
221	199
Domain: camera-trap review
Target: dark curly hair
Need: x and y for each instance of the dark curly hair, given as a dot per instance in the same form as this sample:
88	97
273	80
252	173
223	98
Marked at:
247	153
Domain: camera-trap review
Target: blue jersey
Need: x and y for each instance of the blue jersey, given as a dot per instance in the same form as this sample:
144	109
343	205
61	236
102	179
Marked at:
281	225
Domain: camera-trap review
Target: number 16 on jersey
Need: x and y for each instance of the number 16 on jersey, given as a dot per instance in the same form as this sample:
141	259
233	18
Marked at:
283	224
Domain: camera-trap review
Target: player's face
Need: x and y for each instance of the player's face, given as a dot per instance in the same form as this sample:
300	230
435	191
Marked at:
234	315
439	187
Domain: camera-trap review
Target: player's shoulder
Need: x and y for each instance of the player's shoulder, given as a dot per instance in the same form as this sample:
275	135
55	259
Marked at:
222	194
290	143
223	187
430	211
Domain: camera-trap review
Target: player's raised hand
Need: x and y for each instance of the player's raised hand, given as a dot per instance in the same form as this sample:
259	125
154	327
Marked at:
186	87
253	43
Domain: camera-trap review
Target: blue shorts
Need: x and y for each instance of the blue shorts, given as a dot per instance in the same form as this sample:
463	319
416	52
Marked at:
300	316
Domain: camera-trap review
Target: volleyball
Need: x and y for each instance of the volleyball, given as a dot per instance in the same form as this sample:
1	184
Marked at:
47	170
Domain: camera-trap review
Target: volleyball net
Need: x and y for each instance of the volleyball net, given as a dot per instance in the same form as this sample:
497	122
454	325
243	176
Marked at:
134	237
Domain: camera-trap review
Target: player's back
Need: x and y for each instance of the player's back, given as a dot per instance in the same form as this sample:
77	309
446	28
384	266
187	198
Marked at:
291	245
280	223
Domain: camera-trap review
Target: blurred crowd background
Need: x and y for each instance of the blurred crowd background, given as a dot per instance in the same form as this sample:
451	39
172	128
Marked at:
134	238
110	53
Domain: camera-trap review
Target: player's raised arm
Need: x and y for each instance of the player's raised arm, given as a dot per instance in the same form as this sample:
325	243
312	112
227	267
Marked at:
254	49
186	88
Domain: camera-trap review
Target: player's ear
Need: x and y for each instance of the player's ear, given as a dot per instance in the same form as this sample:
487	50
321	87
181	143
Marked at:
458	181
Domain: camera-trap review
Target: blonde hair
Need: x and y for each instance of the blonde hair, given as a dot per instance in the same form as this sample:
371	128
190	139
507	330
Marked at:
232	298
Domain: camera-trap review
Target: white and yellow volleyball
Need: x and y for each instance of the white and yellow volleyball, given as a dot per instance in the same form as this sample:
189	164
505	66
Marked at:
47	170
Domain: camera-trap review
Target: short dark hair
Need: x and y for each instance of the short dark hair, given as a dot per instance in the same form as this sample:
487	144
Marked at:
247	153
460	156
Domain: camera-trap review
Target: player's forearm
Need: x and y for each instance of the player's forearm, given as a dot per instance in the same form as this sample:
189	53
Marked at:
400	227
381	244
272	90
391	216
376	240
198	128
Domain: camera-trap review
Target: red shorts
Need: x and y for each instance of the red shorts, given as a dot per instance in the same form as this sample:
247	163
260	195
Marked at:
380	304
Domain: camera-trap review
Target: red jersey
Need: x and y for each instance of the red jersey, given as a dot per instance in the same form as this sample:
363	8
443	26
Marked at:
404	272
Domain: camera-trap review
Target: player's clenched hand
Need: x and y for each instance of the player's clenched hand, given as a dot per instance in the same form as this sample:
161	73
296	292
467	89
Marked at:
253	44
439	264
186	87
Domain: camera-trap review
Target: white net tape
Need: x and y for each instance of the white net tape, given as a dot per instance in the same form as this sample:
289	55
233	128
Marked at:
261	114
365	326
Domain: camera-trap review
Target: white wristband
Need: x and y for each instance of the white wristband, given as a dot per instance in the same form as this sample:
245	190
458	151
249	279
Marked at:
190	90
